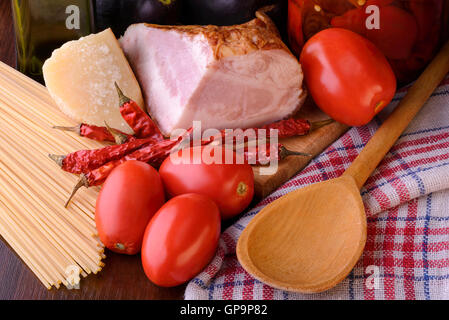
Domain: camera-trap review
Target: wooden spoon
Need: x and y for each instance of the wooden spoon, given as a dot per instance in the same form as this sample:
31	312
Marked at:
309	240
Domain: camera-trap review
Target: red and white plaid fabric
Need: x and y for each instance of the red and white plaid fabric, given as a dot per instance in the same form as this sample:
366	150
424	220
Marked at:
407	204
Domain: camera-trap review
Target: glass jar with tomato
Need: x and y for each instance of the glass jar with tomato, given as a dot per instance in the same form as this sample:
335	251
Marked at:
408	32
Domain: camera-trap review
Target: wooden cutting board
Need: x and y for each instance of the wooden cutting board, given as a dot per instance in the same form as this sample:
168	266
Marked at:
314	143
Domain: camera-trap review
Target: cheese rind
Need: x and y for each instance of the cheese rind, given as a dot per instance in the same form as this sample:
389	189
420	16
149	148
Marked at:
80	77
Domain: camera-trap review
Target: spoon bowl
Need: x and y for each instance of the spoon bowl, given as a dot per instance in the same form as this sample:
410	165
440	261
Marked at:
304	241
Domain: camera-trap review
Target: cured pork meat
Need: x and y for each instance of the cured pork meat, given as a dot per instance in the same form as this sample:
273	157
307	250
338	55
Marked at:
226	77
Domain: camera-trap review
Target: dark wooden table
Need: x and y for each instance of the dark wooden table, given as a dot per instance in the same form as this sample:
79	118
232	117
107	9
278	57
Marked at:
123	276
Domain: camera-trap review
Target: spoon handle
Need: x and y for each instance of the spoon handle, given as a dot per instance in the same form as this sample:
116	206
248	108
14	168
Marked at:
397	122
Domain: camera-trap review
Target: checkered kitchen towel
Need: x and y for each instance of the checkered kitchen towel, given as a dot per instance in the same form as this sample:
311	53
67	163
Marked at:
407	200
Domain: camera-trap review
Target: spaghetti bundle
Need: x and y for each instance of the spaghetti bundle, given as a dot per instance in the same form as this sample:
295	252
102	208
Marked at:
52	240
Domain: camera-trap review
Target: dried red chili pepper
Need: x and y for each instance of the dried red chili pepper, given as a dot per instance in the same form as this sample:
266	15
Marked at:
152	153
285	129
138	120
96	133
295	127
157	152
84	161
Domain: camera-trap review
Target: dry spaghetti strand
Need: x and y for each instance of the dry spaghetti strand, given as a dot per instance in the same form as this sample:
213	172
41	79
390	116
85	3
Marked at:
48	238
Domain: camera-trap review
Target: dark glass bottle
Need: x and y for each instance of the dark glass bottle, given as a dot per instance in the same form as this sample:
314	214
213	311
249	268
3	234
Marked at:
41	26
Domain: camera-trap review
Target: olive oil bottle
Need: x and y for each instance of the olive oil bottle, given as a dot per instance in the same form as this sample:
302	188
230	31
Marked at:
41	26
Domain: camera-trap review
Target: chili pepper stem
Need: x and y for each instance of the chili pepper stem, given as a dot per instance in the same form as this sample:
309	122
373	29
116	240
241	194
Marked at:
76	129
319	124
119	137
82	182
57	158
284	153
122	98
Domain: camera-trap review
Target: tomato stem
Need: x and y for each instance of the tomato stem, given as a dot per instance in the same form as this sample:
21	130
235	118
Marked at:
242	189
120	246
379	107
